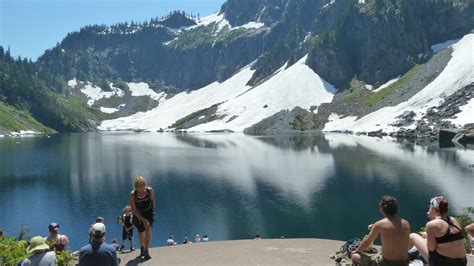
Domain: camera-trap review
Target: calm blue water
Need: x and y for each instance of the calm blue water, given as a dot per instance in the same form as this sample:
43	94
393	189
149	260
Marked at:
229	186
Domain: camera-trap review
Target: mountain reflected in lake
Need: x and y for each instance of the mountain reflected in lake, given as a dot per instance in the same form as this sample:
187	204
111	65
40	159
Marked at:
229	186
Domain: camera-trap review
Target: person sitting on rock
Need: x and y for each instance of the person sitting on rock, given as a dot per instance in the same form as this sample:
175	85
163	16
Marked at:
39	253
394	233
170	241
444	242
186	240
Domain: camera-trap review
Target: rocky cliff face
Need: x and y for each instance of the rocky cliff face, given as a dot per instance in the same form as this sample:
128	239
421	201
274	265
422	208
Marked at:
373	40
378	40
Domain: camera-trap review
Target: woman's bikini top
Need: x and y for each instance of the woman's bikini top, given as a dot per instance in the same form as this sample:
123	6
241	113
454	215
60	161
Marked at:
449	237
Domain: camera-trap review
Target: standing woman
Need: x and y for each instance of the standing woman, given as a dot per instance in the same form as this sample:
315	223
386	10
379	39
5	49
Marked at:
142	201
444	243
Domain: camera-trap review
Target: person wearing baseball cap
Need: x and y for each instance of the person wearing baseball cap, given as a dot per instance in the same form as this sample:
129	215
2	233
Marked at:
98	253
56	241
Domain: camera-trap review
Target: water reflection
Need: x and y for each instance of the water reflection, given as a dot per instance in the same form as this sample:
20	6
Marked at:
229	186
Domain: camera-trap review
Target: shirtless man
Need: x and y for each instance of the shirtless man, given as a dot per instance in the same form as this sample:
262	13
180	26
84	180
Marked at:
394	233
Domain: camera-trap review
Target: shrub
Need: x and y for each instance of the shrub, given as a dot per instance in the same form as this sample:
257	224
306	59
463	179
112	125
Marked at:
13	251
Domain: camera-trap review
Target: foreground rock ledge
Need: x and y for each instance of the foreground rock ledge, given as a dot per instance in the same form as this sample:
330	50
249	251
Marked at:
308	251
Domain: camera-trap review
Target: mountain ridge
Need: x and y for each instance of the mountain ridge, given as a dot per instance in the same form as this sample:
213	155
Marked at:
344	43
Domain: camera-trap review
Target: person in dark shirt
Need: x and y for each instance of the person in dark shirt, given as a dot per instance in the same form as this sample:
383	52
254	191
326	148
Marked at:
142	201
127	227
98	253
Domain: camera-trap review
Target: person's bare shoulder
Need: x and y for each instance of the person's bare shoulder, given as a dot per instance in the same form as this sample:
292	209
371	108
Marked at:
381	223
405	223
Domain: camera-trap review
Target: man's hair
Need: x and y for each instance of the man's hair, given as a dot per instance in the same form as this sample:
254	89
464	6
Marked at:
97	235
389	205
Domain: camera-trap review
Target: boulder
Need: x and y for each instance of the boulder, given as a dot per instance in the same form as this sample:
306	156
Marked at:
446	136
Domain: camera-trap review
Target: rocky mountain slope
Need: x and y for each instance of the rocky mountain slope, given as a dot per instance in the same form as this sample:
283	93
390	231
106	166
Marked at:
334	59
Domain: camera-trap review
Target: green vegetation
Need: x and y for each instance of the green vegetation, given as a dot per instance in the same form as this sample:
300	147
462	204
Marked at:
30	97
13	250
206	35
464	219
379	96
351	95
14	119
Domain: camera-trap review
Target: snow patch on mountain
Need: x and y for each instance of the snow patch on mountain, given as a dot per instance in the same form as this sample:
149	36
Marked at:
222	22
458	73
183	104
387	84
95	93
108	110
298	85
217	18
466	115
72	83
142	89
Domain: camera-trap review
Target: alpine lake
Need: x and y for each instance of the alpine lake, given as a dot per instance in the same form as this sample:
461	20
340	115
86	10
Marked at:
229	186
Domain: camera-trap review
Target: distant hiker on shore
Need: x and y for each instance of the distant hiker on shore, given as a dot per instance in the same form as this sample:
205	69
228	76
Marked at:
126	220
470	234
98	253
56	241
444	243
197	238
186	240
142	201
394	233
170	241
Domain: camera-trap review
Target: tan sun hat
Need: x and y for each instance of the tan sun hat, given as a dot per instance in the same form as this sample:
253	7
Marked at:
37	243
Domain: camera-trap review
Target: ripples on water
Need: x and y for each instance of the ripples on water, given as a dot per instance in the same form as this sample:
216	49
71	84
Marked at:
229	186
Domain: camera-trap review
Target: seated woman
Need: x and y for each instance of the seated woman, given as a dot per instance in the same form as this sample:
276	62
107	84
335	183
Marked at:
444	244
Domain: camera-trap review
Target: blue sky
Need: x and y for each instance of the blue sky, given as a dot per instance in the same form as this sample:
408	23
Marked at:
30	27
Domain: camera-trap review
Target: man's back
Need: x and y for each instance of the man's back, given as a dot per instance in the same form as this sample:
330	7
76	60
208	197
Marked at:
98	253
395	236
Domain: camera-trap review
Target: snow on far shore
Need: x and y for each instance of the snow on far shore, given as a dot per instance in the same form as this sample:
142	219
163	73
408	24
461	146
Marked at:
240	106
183	104
296	86
458	73
466	115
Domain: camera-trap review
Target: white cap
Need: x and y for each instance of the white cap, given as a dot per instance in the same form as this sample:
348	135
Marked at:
98	228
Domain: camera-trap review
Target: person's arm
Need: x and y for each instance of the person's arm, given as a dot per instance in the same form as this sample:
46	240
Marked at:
430	236
152	197
374	233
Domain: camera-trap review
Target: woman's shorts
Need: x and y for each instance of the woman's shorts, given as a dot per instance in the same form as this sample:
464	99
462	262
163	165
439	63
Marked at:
149	215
